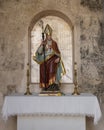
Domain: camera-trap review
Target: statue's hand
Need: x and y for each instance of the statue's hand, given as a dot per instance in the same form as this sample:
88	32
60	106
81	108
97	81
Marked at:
43	43
57	60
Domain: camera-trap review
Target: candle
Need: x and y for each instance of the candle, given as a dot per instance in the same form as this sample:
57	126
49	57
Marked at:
75	66
28	74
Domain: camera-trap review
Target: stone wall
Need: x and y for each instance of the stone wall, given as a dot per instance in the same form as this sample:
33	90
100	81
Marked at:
88	21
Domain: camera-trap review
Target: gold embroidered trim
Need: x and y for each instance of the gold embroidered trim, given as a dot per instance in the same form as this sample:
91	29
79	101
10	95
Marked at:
51	81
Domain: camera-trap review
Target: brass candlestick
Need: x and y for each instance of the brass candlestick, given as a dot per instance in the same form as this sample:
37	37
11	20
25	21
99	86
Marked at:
75	81
28	82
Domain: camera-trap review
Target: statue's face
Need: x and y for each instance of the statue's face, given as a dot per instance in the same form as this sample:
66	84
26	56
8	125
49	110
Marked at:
48	37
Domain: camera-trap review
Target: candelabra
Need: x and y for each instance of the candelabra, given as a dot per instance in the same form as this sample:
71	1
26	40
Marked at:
75	81
28	81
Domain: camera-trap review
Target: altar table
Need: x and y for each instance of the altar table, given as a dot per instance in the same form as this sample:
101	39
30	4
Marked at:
51	112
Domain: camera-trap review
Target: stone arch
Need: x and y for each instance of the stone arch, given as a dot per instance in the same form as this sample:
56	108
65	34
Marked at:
41	15
49	13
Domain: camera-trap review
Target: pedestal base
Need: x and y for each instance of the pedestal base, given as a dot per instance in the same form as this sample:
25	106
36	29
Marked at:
51	123
50	93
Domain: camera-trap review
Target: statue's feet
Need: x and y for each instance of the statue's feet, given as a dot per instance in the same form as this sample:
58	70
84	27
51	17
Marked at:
44	89
53	87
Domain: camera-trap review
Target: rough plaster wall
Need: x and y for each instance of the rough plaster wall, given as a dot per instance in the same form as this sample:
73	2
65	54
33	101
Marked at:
15	18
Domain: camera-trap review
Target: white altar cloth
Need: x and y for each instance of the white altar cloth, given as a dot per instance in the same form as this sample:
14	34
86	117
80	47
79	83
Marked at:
84	104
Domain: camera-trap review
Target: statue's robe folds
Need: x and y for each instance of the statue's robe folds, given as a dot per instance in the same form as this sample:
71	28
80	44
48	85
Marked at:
50	72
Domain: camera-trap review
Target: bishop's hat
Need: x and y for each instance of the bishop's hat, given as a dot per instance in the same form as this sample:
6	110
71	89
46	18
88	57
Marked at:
48	30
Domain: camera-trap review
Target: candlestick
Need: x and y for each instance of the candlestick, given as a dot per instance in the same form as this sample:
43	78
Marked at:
28	81
75	81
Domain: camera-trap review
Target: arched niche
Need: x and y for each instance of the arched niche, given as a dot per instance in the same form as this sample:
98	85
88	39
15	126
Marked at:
62	34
